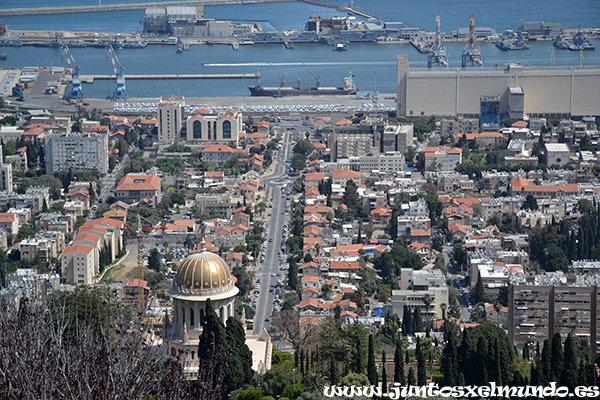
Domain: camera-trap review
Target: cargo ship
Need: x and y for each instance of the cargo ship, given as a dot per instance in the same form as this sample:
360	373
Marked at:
349	88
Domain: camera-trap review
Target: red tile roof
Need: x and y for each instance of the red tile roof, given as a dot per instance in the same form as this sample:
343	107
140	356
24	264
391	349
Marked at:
139	182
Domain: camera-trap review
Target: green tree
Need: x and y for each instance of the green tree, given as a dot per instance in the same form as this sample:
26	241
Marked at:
239	360
408	327
333	372
399	364
371	368
212	339
545	372
568	377
530	203
478	293
358	358
351	194
449	356
154	262
384	383
421	370
418	320
411	381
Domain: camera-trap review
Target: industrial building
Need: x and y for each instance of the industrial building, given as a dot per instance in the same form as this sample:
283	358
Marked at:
77	151
521	91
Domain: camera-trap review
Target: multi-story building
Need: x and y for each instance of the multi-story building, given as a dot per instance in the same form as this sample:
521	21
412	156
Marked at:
389	163
44	247
6	181
442	158
18	160
224	204
170	118
397	138
135	187
407	223
346	146
204	126
542	305
77	151
459	125
79	264
557	153
425	290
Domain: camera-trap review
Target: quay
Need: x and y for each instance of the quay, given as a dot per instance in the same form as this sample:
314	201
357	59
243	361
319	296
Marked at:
123	7
91	78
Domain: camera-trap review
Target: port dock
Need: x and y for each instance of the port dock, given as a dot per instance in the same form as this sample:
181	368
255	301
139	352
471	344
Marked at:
122	7
91	78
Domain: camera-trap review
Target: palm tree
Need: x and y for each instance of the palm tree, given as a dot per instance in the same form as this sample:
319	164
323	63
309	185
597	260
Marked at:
315	383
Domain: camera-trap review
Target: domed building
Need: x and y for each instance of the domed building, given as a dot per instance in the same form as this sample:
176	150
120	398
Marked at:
201	276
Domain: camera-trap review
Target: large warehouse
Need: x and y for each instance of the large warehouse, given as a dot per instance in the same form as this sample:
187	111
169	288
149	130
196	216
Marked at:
519	91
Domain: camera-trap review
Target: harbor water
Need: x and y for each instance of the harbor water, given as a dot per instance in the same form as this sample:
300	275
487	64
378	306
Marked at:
374	65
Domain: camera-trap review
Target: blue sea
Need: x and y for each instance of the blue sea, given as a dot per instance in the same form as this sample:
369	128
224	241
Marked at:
372	64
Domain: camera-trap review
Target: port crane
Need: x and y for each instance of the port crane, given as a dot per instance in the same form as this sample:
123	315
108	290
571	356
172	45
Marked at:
472	53
120	92
281	77
437	54
318	78
76	93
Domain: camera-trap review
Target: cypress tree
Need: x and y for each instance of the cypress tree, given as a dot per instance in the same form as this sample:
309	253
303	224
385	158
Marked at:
592	378
526	352
399	365
295	359
535	376
411	377
465	356
421	369
569	372
417	320
306	357
358	361
333	372
557	357
449	360
384	384
498	368
212	340
312	359
544	365
371	368
482	357
517	379
239	360
479	293
407	358
302	362
407	321
581	374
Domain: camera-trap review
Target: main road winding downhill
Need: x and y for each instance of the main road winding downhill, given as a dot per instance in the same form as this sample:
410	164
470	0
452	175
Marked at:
269	269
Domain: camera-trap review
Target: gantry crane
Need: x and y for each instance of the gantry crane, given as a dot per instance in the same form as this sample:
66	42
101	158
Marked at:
121	92
472	53
437	54
76	93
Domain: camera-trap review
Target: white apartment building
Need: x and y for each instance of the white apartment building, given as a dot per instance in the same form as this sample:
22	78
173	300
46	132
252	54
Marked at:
388	163
81	152
425	290
170	118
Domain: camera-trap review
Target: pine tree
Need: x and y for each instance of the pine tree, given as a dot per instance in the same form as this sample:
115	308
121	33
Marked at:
384	383
371	368
333	372
358	361
399	364
421	369
569	372
557	357
411	377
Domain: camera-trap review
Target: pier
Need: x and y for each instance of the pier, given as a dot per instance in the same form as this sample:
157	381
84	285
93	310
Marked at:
122	7
344	8
91	78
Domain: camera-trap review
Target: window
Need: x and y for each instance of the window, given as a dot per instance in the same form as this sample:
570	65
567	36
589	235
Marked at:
191	317
226	130
209	130
197	129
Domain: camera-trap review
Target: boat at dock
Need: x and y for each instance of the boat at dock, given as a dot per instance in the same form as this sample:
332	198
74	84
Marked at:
422	47
348	88
340	45
508	43
578	42
235	45
288	45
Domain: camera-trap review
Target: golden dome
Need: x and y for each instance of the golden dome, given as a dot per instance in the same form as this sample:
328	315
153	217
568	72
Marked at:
203	273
